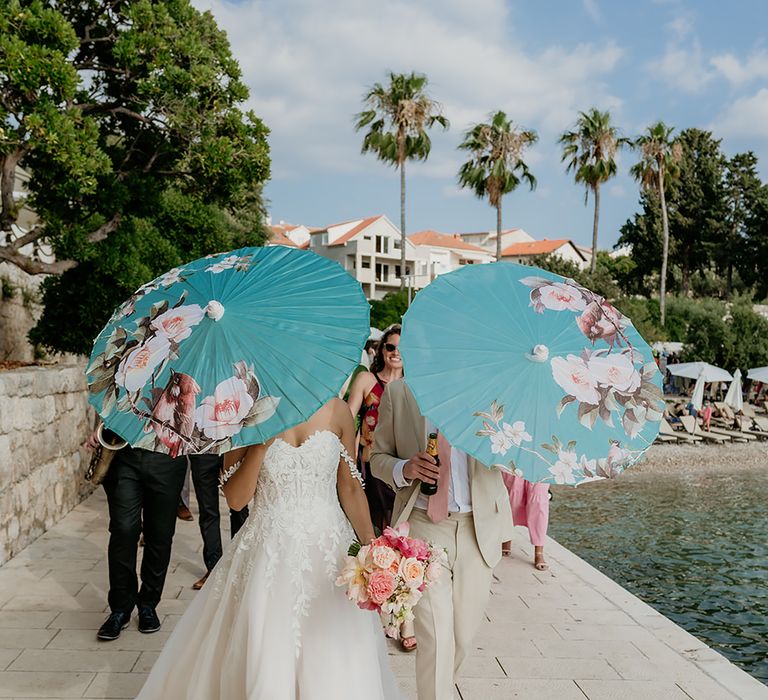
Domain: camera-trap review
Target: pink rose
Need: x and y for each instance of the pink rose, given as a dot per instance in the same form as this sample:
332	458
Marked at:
433	572
381	585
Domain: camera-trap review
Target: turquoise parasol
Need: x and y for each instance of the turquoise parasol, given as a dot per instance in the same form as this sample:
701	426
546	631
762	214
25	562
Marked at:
228	350
531	372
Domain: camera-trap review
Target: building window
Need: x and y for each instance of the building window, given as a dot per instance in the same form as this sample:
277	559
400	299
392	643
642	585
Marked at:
365	263
396	244
397	271
382	272
350	262
325	239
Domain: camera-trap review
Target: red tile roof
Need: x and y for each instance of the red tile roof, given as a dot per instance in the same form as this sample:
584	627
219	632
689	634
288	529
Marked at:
364	223
277	237
535	247
443	240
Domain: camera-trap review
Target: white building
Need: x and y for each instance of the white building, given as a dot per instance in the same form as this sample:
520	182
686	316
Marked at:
293	236
445	252
526	251
487	239
369	249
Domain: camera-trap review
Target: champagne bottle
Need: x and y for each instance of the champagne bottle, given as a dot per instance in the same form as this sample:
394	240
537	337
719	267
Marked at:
431	489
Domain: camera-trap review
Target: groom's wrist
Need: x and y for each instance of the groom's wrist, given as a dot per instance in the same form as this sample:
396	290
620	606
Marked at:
397	474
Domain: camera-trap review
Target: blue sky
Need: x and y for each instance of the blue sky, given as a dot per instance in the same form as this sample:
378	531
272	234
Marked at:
308	63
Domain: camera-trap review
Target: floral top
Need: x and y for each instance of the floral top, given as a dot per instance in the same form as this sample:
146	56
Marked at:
369	417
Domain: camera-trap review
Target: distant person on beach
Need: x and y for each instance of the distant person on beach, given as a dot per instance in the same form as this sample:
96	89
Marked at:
706	416
530	508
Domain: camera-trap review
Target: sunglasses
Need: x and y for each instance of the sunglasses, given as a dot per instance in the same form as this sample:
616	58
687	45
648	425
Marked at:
390	347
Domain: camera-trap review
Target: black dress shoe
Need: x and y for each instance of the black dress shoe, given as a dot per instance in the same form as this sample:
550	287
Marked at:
114	624
148	620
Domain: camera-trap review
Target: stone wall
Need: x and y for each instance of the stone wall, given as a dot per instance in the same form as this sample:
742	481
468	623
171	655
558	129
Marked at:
19	310
44	417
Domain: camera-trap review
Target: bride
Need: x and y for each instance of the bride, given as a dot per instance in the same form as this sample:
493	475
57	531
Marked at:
270	623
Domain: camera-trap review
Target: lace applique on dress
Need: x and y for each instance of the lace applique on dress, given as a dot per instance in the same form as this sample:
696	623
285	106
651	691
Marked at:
295	513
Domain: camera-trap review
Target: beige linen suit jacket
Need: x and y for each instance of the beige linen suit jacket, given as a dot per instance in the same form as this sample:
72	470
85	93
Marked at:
400	433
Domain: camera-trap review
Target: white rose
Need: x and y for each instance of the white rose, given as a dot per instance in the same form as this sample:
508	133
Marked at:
616	371
177	324
559	296
137	366
221	415
575	378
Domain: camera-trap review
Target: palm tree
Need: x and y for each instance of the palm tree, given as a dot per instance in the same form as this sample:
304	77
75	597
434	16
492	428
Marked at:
659	158
495	166
590	150
397	118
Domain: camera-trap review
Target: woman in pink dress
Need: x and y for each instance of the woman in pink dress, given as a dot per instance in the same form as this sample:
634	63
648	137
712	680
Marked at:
530	508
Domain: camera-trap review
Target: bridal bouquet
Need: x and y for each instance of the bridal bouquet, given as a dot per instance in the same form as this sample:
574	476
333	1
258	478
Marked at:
390	575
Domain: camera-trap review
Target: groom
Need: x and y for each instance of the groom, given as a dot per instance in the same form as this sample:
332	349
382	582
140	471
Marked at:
469	516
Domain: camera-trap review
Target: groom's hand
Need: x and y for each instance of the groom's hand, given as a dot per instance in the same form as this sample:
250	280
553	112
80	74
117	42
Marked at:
421	466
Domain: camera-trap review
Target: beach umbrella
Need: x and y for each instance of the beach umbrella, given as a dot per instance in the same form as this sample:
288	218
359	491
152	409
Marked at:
531	372
228	350
694	370
697	398
758	374
734	397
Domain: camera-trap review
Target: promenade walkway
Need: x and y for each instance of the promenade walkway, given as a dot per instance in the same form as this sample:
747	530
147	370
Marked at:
566	634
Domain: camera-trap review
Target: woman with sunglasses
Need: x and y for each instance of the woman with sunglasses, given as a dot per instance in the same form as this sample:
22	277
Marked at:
363	400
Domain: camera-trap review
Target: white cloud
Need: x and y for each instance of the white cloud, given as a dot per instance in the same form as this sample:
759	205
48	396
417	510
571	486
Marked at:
617	191
740	73
683	68
308	65
593	10
745	118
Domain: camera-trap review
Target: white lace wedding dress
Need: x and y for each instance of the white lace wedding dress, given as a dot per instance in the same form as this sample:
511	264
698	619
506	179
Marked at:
270	623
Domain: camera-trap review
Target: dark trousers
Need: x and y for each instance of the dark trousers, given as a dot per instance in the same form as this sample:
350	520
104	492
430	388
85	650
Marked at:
141	486
205	477
236	519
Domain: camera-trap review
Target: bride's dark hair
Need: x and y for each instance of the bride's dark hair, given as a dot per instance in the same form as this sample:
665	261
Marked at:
378	360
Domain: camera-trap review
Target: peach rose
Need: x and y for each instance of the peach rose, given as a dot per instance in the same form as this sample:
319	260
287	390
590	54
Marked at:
383	557
381	585
412	571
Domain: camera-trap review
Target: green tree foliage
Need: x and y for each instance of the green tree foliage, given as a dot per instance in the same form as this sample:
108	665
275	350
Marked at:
589	150
397	119
389	310
495	166
78	303
110	106
697	203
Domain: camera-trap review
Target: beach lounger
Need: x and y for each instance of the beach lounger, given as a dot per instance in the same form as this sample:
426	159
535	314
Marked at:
663	438
735	435
690	424
680	435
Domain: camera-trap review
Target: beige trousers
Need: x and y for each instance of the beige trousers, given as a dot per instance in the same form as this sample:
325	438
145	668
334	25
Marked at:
448	615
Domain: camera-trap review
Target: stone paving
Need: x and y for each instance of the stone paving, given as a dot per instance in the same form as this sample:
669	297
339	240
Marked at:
566	634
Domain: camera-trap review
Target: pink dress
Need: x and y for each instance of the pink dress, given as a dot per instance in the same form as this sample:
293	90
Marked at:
530	506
